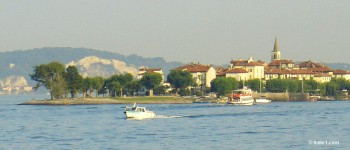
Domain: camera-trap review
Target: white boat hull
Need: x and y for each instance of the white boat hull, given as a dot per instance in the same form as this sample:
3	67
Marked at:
262	100
245	102
242	103
139	115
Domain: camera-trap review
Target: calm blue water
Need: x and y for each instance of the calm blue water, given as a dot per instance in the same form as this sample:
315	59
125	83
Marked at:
202	126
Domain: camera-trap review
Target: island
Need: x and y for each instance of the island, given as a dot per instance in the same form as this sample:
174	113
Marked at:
112	100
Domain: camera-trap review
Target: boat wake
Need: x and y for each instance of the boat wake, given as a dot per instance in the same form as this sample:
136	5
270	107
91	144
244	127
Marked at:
186	116
162	117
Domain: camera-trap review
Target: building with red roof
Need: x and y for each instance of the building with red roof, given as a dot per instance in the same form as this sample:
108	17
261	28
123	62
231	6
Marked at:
239	74
281	64
202	74
309	64
341	74
255	70
142	71
220	71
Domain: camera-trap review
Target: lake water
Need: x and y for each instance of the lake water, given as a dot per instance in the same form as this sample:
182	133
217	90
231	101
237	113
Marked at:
279	125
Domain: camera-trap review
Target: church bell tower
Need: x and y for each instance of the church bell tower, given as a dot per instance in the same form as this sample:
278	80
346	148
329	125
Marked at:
275	53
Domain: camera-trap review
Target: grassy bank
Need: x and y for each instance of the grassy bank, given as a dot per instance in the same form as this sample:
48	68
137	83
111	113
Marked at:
112	100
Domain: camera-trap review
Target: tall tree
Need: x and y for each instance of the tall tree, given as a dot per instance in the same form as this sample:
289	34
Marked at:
151	81
114	87
51	77
161	89
223	86
336	86
331	89
253	84
59	87
292	85
74	80
276	85
133	87
180	79
97	83
124	80
87	86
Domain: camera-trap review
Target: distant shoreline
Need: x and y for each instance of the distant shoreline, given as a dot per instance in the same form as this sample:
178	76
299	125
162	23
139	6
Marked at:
108	100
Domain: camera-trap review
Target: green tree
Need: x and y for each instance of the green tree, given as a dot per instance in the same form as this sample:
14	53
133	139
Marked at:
336	86
151	81
276	85
159	90
74	80
253	84
292	85
309	85
180	79
322	87
59	87
184	92
114	87
223	86
51	77
108	84
123	80
97	84
331	89
87	86
133	87
342	83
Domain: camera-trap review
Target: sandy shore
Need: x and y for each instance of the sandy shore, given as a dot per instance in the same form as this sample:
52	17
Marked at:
95	101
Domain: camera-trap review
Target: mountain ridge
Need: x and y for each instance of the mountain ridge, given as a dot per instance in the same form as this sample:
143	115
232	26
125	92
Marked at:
21	62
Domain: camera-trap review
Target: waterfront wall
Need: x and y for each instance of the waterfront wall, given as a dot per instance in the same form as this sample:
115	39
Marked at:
283	96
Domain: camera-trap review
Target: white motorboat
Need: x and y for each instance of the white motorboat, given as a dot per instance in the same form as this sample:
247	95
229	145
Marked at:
137	112
262	100
241	97
246	102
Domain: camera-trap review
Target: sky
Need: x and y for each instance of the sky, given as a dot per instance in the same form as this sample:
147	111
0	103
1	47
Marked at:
205	31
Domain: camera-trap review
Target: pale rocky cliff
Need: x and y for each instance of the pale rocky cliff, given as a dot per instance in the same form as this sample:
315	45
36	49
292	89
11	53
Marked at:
17	84
14	81
95	66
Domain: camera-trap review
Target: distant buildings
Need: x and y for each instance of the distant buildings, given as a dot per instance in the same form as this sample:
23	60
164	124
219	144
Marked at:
202	74
239	74
142	71
243	70
255	70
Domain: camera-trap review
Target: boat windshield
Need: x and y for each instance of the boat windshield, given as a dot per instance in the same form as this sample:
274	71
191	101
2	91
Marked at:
140	109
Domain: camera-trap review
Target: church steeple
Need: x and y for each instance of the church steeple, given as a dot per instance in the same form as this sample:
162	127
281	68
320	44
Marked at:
275	54
275	47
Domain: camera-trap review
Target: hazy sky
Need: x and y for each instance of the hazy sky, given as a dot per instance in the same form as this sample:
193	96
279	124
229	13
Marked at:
208	31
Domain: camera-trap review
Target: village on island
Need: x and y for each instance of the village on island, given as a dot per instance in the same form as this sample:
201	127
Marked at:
278	68
278	80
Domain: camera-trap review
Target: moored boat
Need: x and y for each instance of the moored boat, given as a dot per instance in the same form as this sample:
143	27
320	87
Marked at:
241	97
262	100
137	112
